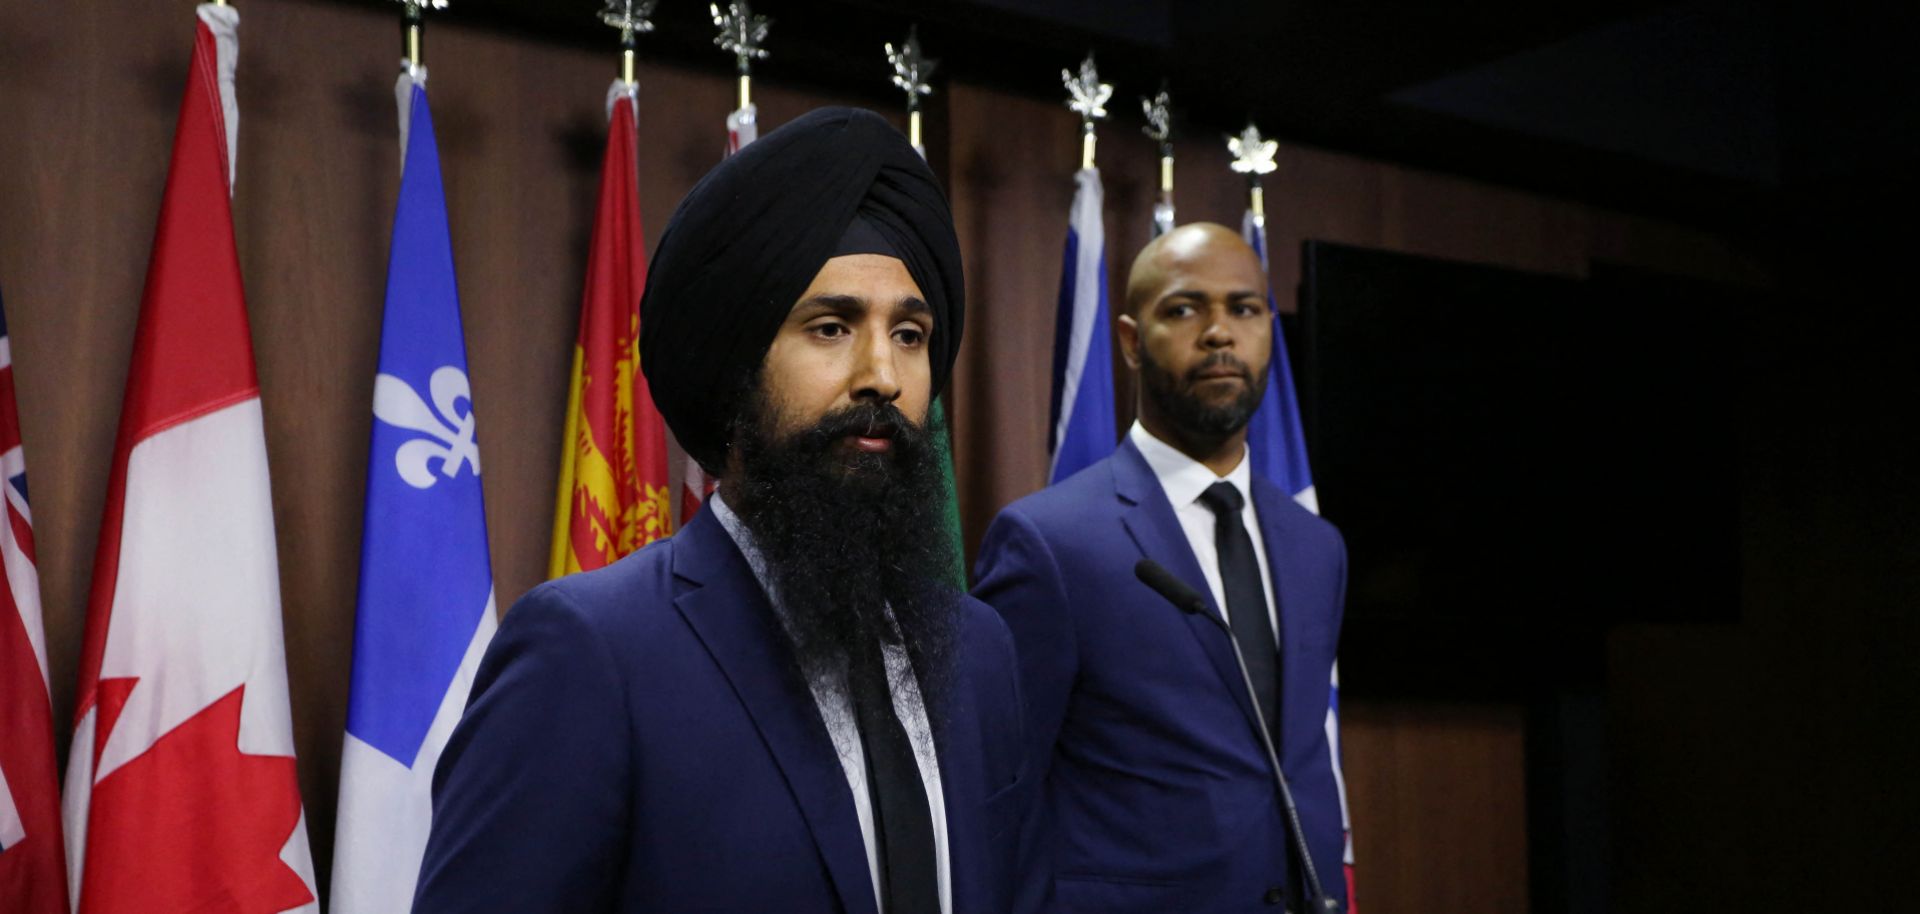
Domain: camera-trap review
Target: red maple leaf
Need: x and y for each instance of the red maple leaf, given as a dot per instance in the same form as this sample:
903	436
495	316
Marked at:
194	825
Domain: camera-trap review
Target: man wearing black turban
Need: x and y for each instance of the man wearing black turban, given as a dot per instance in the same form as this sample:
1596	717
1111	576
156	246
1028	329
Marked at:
783	707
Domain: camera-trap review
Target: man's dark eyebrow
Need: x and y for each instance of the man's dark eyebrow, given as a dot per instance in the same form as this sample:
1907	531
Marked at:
834	303
1198	295
848	305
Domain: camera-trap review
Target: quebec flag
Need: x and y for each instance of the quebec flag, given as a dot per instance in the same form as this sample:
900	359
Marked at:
1083	430
425	612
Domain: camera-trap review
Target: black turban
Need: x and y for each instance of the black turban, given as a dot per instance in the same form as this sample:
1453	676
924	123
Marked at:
750	237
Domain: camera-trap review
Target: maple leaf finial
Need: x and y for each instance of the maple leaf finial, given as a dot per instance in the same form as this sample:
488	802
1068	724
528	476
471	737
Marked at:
911	68
742	33
1086	94
631	17
1252	155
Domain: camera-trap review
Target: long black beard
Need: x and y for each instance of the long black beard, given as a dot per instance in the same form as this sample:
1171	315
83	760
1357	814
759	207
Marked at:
854	544
1195	418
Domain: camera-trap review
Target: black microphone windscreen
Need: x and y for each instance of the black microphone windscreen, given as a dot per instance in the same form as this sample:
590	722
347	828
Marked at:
1154	575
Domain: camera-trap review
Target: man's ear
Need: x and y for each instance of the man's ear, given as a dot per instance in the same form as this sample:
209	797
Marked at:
1128	330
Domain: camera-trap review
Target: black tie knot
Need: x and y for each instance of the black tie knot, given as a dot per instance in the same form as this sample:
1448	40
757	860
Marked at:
1224	499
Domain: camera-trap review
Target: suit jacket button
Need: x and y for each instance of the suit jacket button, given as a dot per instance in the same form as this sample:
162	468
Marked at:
1275	895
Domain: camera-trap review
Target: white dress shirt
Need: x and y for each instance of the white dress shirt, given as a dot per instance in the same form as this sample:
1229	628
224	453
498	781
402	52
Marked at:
836	709
1183	479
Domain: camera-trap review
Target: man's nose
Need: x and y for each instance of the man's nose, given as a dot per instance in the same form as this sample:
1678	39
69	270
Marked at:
1217	335
876	377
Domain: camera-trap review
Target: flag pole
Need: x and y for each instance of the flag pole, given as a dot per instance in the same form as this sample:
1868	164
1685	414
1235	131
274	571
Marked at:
1087	96
910	71
413	27
742	33
1159	113
1253	157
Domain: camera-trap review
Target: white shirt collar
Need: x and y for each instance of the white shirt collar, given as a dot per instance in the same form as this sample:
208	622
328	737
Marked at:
1184	478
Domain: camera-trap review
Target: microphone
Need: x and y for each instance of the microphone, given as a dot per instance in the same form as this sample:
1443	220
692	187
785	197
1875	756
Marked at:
1189	601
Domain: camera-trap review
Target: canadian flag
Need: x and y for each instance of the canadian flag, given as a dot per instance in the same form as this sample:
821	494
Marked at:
181	793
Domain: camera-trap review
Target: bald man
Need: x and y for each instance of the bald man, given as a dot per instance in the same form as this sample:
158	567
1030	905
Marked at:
1157	791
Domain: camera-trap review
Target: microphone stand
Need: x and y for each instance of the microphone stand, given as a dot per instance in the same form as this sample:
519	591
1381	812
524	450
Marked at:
1191	603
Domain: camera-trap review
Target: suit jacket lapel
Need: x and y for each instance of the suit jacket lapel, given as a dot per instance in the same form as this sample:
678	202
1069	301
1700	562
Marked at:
1271	505
732	617
1151	522
957	742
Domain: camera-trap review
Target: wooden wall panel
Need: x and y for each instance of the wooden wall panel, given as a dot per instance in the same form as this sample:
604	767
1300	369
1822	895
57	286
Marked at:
1438	798
88	97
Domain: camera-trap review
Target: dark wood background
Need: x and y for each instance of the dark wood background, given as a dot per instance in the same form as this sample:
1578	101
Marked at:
88	97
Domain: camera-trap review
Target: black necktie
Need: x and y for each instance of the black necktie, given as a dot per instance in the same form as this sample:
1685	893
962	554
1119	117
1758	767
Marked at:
1246	598
902	820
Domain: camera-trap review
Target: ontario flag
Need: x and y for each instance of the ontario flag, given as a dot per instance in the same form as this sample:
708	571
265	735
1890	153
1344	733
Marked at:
1278	449
614	493
743	127
181	793
33	864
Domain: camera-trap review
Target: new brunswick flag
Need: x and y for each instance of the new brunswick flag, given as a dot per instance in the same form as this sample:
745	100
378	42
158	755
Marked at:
614	493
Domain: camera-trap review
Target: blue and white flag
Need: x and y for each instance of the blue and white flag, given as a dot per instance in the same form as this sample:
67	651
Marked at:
425	610
1082	422
1278	449
1274	439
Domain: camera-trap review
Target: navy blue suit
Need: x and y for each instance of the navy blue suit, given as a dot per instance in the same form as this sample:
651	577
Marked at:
638	740
1157	795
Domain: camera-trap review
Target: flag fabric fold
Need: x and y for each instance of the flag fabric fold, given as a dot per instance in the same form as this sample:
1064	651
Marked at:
425	610
181	791
1278	448
33	862
1083	428
614	492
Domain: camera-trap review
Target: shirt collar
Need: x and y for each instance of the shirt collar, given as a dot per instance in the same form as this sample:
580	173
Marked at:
1184	478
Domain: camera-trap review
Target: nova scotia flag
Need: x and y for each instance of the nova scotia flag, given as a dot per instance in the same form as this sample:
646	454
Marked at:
425	612
1083	427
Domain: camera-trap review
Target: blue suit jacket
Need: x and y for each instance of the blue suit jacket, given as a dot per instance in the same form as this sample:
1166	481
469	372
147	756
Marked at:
638	740
1157	794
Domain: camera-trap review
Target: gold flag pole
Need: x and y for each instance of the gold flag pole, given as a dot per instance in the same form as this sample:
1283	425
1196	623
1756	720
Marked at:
910	71
413	26
632	18
1253	157
1087	96
743	34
